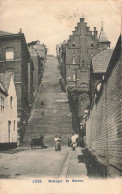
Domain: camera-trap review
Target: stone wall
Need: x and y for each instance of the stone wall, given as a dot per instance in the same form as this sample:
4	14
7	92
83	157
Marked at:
103	123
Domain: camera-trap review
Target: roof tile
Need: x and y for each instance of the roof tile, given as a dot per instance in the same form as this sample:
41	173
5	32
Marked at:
100	61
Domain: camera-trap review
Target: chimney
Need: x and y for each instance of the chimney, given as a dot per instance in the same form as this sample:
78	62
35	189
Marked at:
90	33
20	32
82	20
78	24
85	23
87	29
95	33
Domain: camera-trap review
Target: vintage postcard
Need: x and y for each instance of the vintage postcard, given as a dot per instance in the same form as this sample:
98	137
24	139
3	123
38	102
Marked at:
60	96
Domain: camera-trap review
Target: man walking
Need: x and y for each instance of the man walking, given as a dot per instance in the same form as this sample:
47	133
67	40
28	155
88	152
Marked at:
57	143
73	139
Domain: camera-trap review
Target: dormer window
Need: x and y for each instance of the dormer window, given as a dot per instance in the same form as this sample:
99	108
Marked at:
9	53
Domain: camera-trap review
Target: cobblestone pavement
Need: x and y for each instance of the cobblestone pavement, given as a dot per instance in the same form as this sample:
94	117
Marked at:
39	163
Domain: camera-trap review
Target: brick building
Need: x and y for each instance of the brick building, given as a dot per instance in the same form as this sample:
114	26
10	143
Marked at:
76	53
38	55
74	56
15	57
103	122
30	83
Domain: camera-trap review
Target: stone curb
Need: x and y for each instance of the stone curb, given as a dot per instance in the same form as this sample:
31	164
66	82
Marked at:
65	168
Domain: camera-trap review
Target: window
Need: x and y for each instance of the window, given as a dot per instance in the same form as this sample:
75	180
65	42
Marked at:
14	125
92	54
84	86
2	104
83	64
11	102
73	44
9	53
92	45
73	57
98	87
74	76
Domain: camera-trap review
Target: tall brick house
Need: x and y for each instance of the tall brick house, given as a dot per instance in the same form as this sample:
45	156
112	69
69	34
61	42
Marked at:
77	52
15	57
74	57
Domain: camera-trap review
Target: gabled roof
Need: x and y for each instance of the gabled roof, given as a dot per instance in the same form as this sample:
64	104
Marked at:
100	61
102	36
1	87
5	80
3	33
116	57
32	43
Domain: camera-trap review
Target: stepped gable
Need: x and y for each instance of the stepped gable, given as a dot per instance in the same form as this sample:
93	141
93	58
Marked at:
100	61
5	80
3	33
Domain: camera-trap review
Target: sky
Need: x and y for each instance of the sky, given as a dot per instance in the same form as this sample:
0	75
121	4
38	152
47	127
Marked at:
52	21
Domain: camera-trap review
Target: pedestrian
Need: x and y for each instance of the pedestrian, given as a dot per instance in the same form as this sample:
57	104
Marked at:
73	139
56	142
59	142
69	142
42	141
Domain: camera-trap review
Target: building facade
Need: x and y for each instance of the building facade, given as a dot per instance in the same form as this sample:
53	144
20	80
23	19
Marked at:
15	57
74	56
8	112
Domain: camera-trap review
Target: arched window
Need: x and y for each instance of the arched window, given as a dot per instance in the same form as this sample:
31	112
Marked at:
92	45
11	102
73	44
74	75
9	53
92	54
84	86
98	87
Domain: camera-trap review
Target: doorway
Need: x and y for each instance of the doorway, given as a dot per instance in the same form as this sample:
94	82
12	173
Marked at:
9	130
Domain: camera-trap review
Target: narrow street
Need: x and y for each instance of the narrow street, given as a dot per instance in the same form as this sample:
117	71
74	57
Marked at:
52	118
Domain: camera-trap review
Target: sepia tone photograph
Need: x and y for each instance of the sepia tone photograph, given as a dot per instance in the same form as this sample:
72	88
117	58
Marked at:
60	96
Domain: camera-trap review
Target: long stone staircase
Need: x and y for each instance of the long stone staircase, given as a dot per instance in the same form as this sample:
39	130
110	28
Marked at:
53	117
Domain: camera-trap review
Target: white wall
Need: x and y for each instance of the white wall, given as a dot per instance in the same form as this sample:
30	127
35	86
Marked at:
10	114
